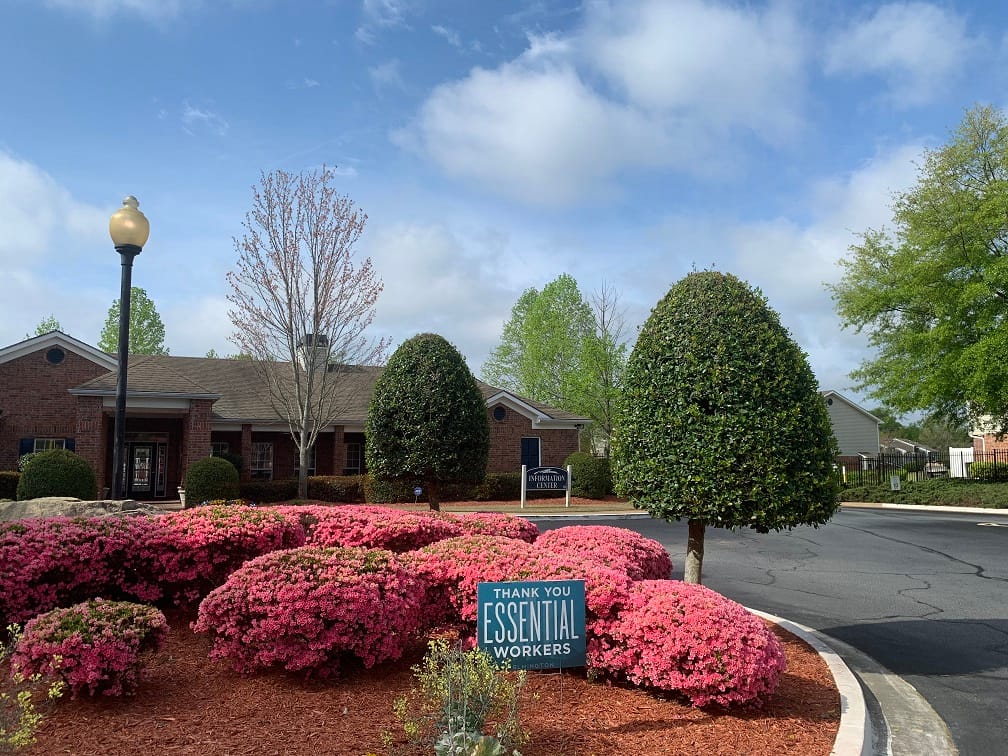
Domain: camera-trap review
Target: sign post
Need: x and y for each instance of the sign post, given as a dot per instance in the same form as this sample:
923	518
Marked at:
545	479
532	624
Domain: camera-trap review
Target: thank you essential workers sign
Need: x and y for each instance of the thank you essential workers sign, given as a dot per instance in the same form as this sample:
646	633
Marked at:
533	624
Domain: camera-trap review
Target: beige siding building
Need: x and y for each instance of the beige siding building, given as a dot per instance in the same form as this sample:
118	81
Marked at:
855	428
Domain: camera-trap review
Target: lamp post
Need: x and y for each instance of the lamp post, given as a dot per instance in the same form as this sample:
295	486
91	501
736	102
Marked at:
129	230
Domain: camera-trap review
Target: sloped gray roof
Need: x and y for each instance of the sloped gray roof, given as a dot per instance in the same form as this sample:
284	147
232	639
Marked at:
240	394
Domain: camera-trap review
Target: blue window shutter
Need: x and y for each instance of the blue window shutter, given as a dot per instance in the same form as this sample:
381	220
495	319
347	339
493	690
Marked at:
530	452
26	446
68	444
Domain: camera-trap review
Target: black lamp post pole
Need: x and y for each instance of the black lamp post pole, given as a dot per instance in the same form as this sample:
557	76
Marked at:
127	252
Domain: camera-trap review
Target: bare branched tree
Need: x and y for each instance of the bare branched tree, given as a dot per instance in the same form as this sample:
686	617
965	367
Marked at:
301	304
605	359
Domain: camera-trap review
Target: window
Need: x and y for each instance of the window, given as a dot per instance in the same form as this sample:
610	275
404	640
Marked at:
311	461
55	356
45	444
261	465
530	451
353	459
219	448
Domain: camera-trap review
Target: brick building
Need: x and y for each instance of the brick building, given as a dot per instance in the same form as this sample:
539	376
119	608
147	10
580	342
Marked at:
58	392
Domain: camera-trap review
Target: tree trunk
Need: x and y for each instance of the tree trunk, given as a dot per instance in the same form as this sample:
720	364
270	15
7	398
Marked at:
694	552
302	489
434	495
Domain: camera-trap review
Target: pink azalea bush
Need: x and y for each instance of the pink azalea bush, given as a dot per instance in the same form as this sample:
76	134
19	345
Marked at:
307	608
193	551
641	558
684	637
451	569
60	561
95	647
378	527
496	524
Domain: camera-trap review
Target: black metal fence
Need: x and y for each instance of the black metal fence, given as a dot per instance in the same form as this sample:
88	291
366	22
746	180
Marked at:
966	464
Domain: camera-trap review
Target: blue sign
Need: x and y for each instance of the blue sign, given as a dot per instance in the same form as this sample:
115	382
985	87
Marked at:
546	479
532	624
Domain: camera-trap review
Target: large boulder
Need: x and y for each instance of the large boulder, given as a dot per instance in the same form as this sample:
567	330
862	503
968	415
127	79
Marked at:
67	506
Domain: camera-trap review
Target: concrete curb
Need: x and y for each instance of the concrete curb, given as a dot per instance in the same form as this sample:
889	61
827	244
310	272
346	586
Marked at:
854	736
923	508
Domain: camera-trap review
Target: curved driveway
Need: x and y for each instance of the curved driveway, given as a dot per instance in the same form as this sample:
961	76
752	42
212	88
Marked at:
923	593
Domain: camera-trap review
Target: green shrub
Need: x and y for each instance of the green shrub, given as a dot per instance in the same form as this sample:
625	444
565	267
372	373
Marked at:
9	483
989	472
336	488
268	491
210	478
499	487
427	419
57	472
388	491
457	694
591	475
950	492
235	459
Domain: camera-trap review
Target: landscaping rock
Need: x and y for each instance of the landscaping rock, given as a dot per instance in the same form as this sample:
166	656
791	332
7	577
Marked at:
66	506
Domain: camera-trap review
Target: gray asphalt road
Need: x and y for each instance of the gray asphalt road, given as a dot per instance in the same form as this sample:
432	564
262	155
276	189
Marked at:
925	594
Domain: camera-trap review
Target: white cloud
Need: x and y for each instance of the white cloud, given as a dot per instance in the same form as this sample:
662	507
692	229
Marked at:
438	282
379	14
194	118
729	66
450	35
540	136
918	48
151	9
545	128
386	74
47	235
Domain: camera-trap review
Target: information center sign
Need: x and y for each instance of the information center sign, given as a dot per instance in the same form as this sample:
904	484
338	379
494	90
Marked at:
533	624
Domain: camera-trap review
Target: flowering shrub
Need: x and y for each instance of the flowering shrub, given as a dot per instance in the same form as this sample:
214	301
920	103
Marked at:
684	637
380	528
622	549
97	646
452	568
59	561
495	523
193	551
305	608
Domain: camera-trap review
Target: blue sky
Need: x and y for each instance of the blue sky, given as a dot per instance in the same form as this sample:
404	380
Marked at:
494	146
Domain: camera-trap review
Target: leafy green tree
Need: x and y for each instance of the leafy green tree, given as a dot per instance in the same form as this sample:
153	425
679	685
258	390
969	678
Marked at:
427	421
146	331
932	294
48	324
721	421
559	349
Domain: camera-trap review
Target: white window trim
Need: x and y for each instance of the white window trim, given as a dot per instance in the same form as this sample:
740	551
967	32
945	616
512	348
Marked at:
256	469
49	444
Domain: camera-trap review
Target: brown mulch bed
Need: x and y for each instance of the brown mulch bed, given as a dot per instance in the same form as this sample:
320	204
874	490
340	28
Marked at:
190	705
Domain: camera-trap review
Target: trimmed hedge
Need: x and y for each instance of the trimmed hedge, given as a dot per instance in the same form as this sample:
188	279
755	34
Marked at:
989	472
9	483
949	492
268	491
591	475
57	472
210	478
347	489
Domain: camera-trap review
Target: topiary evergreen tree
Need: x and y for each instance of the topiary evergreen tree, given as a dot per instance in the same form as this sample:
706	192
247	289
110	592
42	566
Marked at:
210	478
57	472
427	421
721	421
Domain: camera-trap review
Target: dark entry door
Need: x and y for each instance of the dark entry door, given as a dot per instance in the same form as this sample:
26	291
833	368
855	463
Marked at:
140	474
